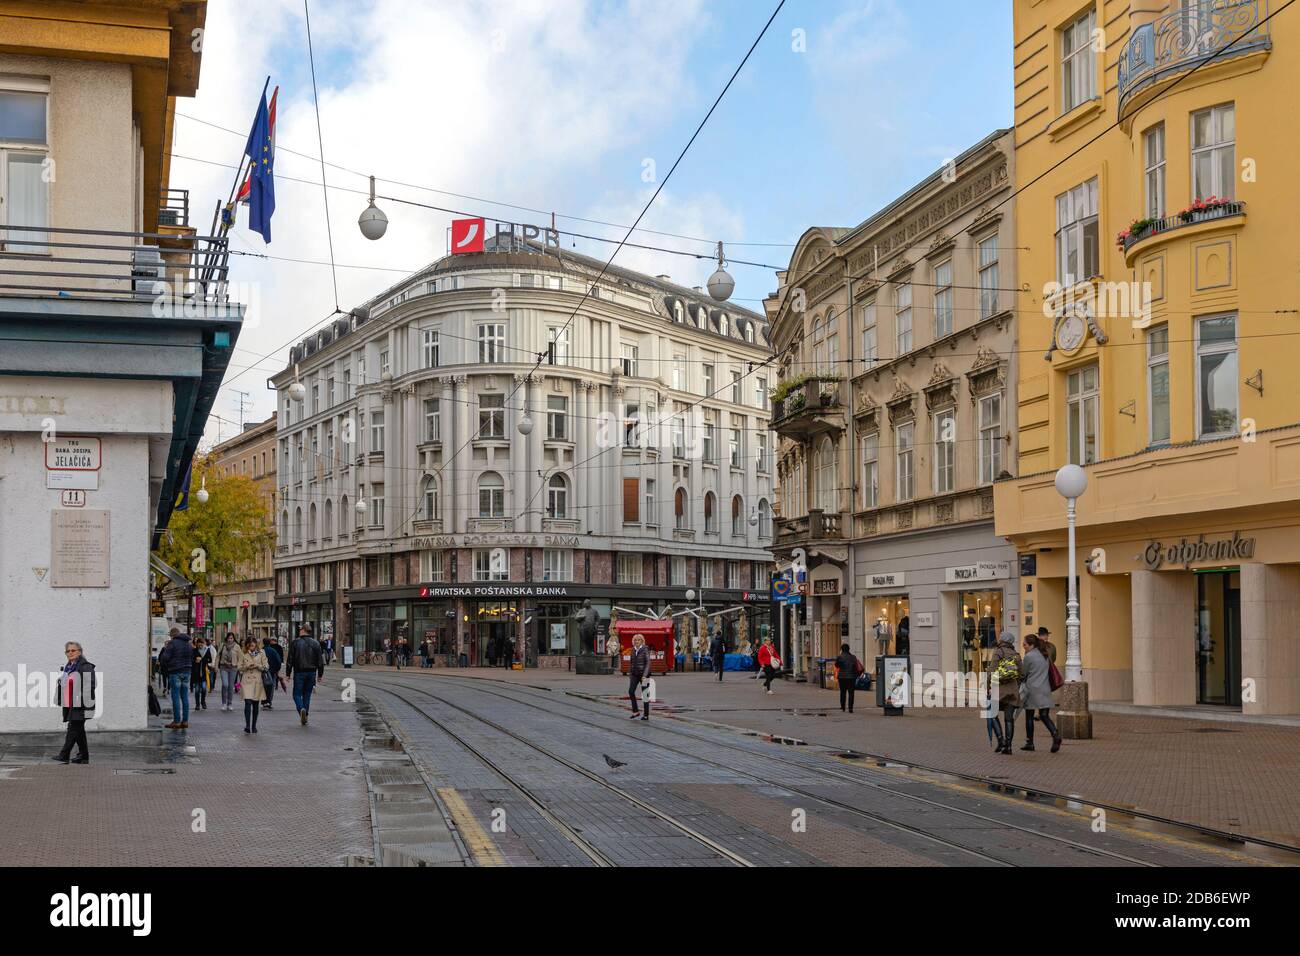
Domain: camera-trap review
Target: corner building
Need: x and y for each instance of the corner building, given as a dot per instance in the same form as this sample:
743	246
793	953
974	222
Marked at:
632	466
1183	410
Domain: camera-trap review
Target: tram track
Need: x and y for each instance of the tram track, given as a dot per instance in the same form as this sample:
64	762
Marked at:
589	849
824	771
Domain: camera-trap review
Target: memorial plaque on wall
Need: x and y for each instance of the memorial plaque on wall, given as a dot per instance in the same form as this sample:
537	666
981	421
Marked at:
79	549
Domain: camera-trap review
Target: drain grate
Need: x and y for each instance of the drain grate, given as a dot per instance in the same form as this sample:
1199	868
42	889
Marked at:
143	770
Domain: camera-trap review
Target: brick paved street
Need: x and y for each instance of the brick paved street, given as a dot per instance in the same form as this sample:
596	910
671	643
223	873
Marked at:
526	757
288	796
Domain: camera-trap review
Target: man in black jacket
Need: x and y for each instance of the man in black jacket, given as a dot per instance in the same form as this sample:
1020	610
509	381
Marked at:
274	661
77	698
306	664
638	672
718	651
175	660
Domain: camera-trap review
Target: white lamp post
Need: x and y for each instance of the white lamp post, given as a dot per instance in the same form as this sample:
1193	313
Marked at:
1071	482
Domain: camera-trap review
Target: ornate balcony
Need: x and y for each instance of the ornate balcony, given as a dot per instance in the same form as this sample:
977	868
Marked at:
562	525
811	406
427	526
1190	217
816	525
1178	41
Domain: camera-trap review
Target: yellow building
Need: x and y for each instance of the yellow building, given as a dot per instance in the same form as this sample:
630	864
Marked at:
1159	148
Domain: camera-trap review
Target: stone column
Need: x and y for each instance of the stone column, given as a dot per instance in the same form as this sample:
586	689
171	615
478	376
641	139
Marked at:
1164	638
1270	638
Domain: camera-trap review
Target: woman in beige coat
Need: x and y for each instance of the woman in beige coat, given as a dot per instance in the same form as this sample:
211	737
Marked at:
251	661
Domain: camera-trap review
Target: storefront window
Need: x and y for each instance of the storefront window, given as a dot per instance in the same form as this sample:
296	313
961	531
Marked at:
557	632
981	623
887	624
381	627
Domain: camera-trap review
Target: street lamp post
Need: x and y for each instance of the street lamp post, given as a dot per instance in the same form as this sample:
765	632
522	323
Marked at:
1075	718
701	619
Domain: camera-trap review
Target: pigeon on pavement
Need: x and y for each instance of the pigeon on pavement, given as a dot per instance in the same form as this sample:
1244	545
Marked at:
614	764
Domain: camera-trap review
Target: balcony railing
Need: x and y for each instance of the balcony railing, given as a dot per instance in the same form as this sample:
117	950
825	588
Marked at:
106	264
1179	220
174	209
1180	40
811	397
816	525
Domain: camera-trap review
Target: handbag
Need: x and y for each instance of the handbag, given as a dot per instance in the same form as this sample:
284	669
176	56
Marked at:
1054	679
155	708
268	681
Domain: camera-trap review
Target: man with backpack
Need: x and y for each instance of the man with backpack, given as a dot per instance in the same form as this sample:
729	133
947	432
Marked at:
848	669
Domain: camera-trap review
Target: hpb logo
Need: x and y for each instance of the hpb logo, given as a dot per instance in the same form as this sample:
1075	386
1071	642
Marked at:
467	235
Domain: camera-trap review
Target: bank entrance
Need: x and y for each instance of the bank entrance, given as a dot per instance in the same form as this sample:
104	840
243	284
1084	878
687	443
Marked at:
1218	637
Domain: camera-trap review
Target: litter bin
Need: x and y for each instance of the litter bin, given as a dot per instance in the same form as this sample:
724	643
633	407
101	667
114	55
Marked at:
826	673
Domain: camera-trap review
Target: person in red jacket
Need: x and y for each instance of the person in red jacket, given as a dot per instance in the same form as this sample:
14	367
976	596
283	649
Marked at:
769	662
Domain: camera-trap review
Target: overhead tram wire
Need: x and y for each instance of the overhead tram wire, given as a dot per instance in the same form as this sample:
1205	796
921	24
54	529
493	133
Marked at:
641	215
320	139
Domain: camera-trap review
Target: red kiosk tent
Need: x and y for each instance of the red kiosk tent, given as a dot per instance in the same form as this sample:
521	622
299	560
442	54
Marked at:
658	637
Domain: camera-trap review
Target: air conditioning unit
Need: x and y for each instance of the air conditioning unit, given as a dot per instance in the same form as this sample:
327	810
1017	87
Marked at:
147	270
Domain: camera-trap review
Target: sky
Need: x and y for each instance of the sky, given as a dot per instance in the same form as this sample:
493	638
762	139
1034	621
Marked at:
569	106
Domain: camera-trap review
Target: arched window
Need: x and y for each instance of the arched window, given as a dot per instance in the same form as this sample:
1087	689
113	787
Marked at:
491	495
297	526
710	513
678	313
722	323
430	504
311	521
681	510
818	343
284	528
345	516
557	497
824	475
327	529
831	350
737	517
764	519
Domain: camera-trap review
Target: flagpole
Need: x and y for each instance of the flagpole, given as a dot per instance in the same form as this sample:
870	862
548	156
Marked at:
219	228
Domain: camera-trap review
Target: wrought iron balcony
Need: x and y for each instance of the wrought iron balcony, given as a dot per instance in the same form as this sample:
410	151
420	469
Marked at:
107	264
1180	40
810	407
1188	217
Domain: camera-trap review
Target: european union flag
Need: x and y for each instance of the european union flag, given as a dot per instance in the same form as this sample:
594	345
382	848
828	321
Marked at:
260	151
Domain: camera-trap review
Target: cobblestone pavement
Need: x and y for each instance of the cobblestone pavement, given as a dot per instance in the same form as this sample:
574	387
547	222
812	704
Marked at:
1235	777
701	788
287	796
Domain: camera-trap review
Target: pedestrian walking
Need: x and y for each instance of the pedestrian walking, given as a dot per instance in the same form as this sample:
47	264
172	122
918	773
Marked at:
305	663
228	665
847	670
77	697
1045	644
252	664
718	651
424	653
201	672
1036	691
177	661
506	652
1007	673
638	672
769	662
274	661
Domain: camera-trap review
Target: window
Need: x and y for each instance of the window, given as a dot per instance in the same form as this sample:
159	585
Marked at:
990	450
943	299
903	317
630	492
650	519
681	510
430	506
557	418
679	431
764	519
1158	383
988	275
24	181
710	513
760	391
679	371
710	437
1081	397
432	419
491	564
870	482
377	505
737	441
1076	234
1213	157
737	517
945	444
735	575
492	416
315	396
557	497
1078	63
629	569
905	484
432	348
557	565
722	324
677	571
1153	142
431	566
384	366
491	495
491	343
376	432
870	351
824	476
630	363
558	337
631	425
329	392
1216	376
735	388
708	380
